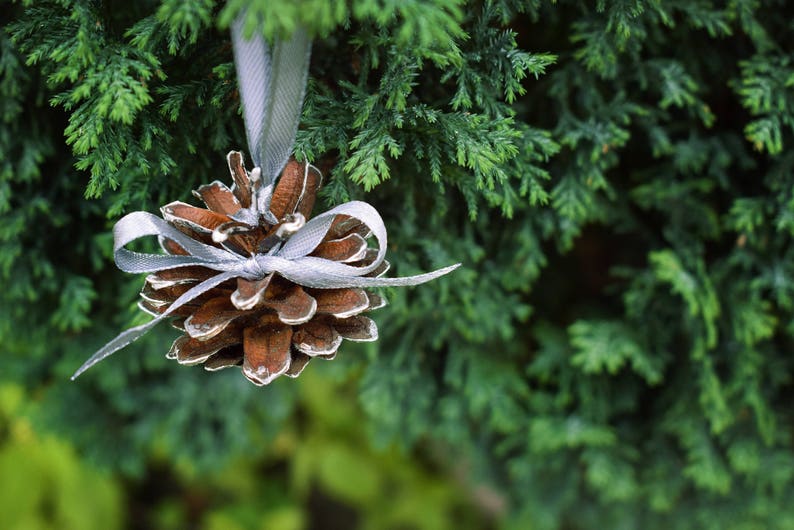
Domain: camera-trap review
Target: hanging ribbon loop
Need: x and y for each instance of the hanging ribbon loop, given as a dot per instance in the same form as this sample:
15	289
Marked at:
271	122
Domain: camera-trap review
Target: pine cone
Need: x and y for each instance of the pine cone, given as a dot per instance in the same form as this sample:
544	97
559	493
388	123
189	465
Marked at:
269	326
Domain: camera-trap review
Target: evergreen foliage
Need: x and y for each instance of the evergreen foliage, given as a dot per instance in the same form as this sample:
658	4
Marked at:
616	351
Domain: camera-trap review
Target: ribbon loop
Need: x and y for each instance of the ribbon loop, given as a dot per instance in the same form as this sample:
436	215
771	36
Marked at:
271	122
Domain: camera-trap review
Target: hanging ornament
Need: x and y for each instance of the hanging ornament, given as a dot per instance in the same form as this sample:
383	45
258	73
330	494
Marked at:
252	280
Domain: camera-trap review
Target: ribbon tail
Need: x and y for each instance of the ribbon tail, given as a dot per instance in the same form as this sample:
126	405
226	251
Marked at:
325	280
129	336
410	280
122	339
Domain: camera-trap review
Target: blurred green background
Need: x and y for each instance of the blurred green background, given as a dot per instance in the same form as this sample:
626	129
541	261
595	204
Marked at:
616	177
320	471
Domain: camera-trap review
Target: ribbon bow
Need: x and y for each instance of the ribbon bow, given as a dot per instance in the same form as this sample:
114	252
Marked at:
291	260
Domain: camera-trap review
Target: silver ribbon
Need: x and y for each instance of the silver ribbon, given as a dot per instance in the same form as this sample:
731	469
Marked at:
291	260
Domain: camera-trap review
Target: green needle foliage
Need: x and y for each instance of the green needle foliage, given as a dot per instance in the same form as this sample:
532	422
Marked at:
615	177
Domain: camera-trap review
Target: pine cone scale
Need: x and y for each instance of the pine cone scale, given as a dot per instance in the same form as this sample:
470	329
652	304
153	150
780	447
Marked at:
218	198
242	183
225	358
341	302
211	318
357	329
349	249
344	225
187	350
198	219
293	306
317	338
299	362
172	248
171	277
250	293
296	191
376	301
380	270
266	352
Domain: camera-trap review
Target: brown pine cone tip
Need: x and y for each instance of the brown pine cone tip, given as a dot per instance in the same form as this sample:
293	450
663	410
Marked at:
270	326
